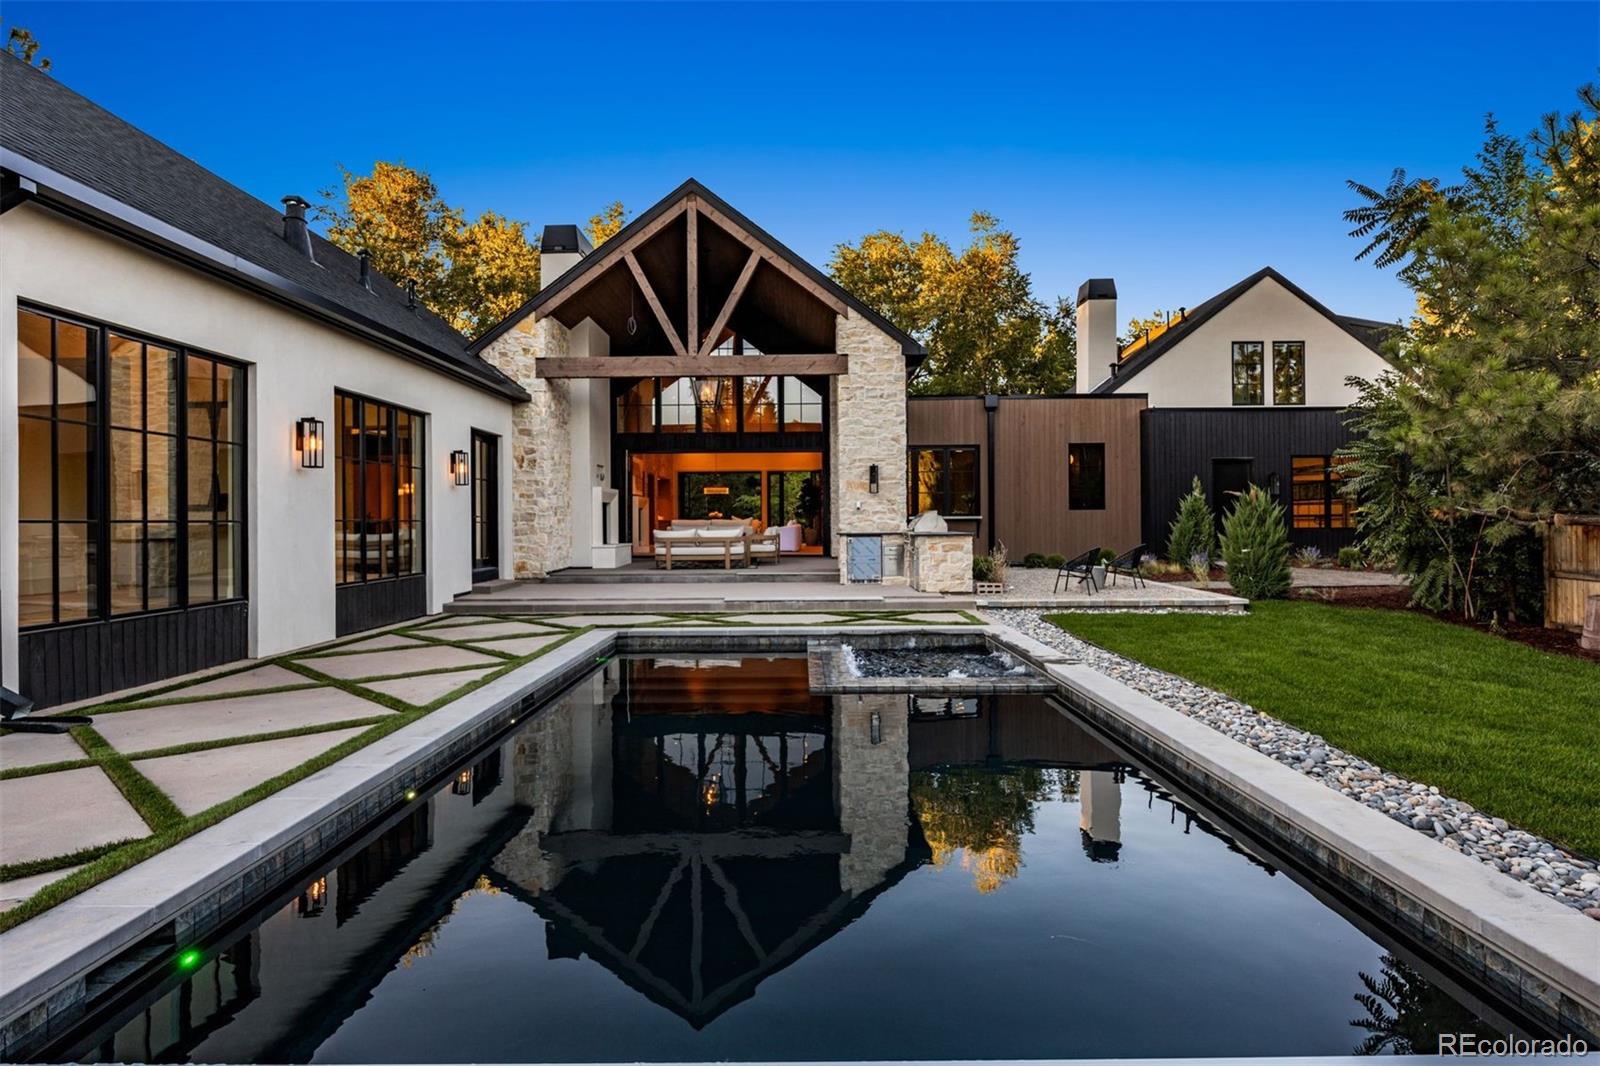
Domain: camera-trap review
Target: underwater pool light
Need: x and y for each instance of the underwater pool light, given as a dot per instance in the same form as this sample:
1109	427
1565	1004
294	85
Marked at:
188	960
411	794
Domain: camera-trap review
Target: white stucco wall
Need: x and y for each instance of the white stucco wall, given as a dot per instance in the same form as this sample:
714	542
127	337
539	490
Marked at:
1198	370
295	366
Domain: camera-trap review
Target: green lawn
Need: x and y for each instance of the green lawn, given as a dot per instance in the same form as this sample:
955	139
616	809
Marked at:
1511	730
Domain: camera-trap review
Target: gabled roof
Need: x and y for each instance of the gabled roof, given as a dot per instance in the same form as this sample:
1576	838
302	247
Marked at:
1369	332
67	153
585	266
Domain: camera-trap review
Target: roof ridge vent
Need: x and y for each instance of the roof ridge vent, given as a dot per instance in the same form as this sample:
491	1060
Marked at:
296	231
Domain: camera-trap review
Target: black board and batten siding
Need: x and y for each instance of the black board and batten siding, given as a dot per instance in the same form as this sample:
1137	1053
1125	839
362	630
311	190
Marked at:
75	662
1182	443
370	604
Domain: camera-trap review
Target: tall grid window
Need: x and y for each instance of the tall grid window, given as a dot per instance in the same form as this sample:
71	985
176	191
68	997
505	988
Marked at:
1316	502
1247	356
802	407
379	512
738	404
1288	373
943	479
123	440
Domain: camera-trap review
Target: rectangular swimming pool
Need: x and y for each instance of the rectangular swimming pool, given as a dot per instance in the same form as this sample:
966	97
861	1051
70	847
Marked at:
697	858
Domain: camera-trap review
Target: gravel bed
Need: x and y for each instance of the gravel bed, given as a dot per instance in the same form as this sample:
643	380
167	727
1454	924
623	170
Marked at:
1456	825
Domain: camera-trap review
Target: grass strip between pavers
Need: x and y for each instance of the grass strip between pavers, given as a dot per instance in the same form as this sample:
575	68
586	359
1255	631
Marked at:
152	804
44	768
13	871
119	857
142	704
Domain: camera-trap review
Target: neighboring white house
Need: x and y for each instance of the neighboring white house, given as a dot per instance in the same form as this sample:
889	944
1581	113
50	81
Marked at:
163	335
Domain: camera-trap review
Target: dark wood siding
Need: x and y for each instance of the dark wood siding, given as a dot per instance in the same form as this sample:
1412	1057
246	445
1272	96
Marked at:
77	662
379	603
1025	497
1180	444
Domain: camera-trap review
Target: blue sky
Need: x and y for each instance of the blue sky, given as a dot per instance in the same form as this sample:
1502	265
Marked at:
1175	147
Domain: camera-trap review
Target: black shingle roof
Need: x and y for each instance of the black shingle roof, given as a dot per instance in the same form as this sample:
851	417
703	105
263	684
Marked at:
122	178
1368	331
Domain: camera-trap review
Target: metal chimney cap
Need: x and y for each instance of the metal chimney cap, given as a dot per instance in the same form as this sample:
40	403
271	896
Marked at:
1097	289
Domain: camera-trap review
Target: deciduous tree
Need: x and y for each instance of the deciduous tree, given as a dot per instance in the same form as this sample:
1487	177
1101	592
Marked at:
25	46
607	224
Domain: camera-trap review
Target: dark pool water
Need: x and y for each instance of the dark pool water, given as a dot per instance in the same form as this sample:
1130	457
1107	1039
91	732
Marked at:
697	859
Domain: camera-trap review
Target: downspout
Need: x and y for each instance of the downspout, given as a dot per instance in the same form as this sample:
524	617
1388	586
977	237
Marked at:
991	409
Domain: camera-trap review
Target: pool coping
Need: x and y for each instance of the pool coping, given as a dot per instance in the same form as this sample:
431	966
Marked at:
195	887
1527	948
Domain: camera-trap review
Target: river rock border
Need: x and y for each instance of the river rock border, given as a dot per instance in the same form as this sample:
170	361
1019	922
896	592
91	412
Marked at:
1457	825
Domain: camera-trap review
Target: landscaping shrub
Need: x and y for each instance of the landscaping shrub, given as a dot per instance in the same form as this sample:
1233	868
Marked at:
1106	556
1194	530
1033	560
982	568
1350	557
1310	555
998	563
1255	547
1200	567
1055	560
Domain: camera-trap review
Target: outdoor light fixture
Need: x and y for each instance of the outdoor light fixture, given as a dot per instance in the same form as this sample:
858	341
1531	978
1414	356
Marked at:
308	438
459	467
875	727
872	479
709	391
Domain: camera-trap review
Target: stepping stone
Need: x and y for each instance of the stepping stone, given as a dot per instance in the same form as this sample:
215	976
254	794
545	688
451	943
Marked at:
425	688
489	629
35	749
57	814
938	617
396	662
269	676
576	620
382	643
14	892
522	645
450	621
234	716
776	619
202	779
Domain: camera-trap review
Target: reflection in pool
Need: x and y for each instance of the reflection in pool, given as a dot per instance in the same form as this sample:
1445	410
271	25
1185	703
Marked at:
698	859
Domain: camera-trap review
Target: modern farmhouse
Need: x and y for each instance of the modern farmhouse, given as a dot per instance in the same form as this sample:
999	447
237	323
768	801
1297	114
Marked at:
233	438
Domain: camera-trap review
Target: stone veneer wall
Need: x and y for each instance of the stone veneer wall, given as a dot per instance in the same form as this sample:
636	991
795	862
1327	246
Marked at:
871	783
868	425
941	562
540	449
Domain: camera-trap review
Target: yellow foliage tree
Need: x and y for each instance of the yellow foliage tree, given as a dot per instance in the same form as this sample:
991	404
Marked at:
607	224
25	46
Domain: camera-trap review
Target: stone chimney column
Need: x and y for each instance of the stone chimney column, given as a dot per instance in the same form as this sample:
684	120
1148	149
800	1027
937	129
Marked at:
1097	332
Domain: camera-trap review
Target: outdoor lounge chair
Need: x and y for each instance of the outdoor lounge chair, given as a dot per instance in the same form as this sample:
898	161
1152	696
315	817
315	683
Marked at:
1080	567
1127	563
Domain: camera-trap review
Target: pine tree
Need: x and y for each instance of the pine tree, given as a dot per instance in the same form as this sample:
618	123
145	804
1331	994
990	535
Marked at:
1255	547
1194	530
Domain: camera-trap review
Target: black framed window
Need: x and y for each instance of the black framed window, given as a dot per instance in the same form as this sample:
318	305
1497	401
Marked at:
943	479
1247	358
1315	501
378	516
763	404
802	407
1288	373
132	472
1086	477
719	494
758	405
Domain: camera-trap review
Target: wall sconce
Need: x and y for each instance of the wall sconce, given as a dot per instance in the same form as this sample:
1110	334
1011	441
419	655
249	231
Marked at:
1275	487
875	727
872	479
460	468
308	440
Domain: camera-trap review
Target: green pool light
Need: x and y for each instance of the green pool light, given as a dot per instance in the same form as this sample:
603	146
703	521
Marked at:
189	959
411	794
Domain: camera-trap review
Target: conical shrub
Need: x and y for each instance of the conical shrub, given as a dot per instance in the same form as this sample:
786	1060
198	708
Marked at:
1255	547
1194	530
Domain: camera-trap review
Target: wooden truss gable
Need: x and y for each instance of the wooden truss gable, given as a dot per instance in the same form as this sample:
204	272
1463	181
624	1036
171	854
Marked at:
673	290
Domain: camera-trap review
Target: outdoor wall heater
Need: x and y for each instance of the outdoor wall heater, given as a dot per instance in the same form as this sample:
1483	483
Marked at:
308	440
459	467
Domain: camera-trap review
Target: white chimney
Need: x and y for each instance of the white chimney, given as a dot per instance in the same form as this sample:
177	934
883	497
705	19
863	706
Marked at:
560	248
1097	332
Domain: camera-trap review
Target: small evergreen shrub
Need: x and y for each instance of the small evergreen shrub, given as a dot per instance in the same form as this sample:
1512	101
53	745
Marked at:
982	568
1194	530
1350	557
1033	560
1255	547
1106	556
1055	560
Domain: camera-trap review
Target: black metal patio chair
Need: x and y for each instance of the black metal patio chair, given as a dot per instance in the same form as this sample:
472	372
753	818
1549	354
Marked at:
1127	563
1080	567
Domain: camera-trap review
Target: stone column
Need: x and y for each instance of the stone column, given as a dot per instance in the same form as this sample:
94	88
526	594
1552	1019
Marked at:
867	426
541	449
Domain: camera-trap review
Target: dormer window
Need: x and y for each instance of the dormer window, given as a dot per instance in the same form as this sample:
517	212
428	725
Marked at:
1288	373
1247	379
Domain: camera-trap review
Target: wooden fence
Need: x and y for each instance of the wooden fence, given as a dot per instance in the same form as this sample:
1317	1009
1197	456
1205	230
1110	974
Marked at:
1571	569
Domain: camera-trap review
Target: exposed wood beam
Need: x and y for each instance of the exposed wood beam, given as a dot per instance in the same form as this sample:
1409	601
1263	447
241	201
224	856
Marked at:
671	366
730	303
609	254
655	304
779	263
692	341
